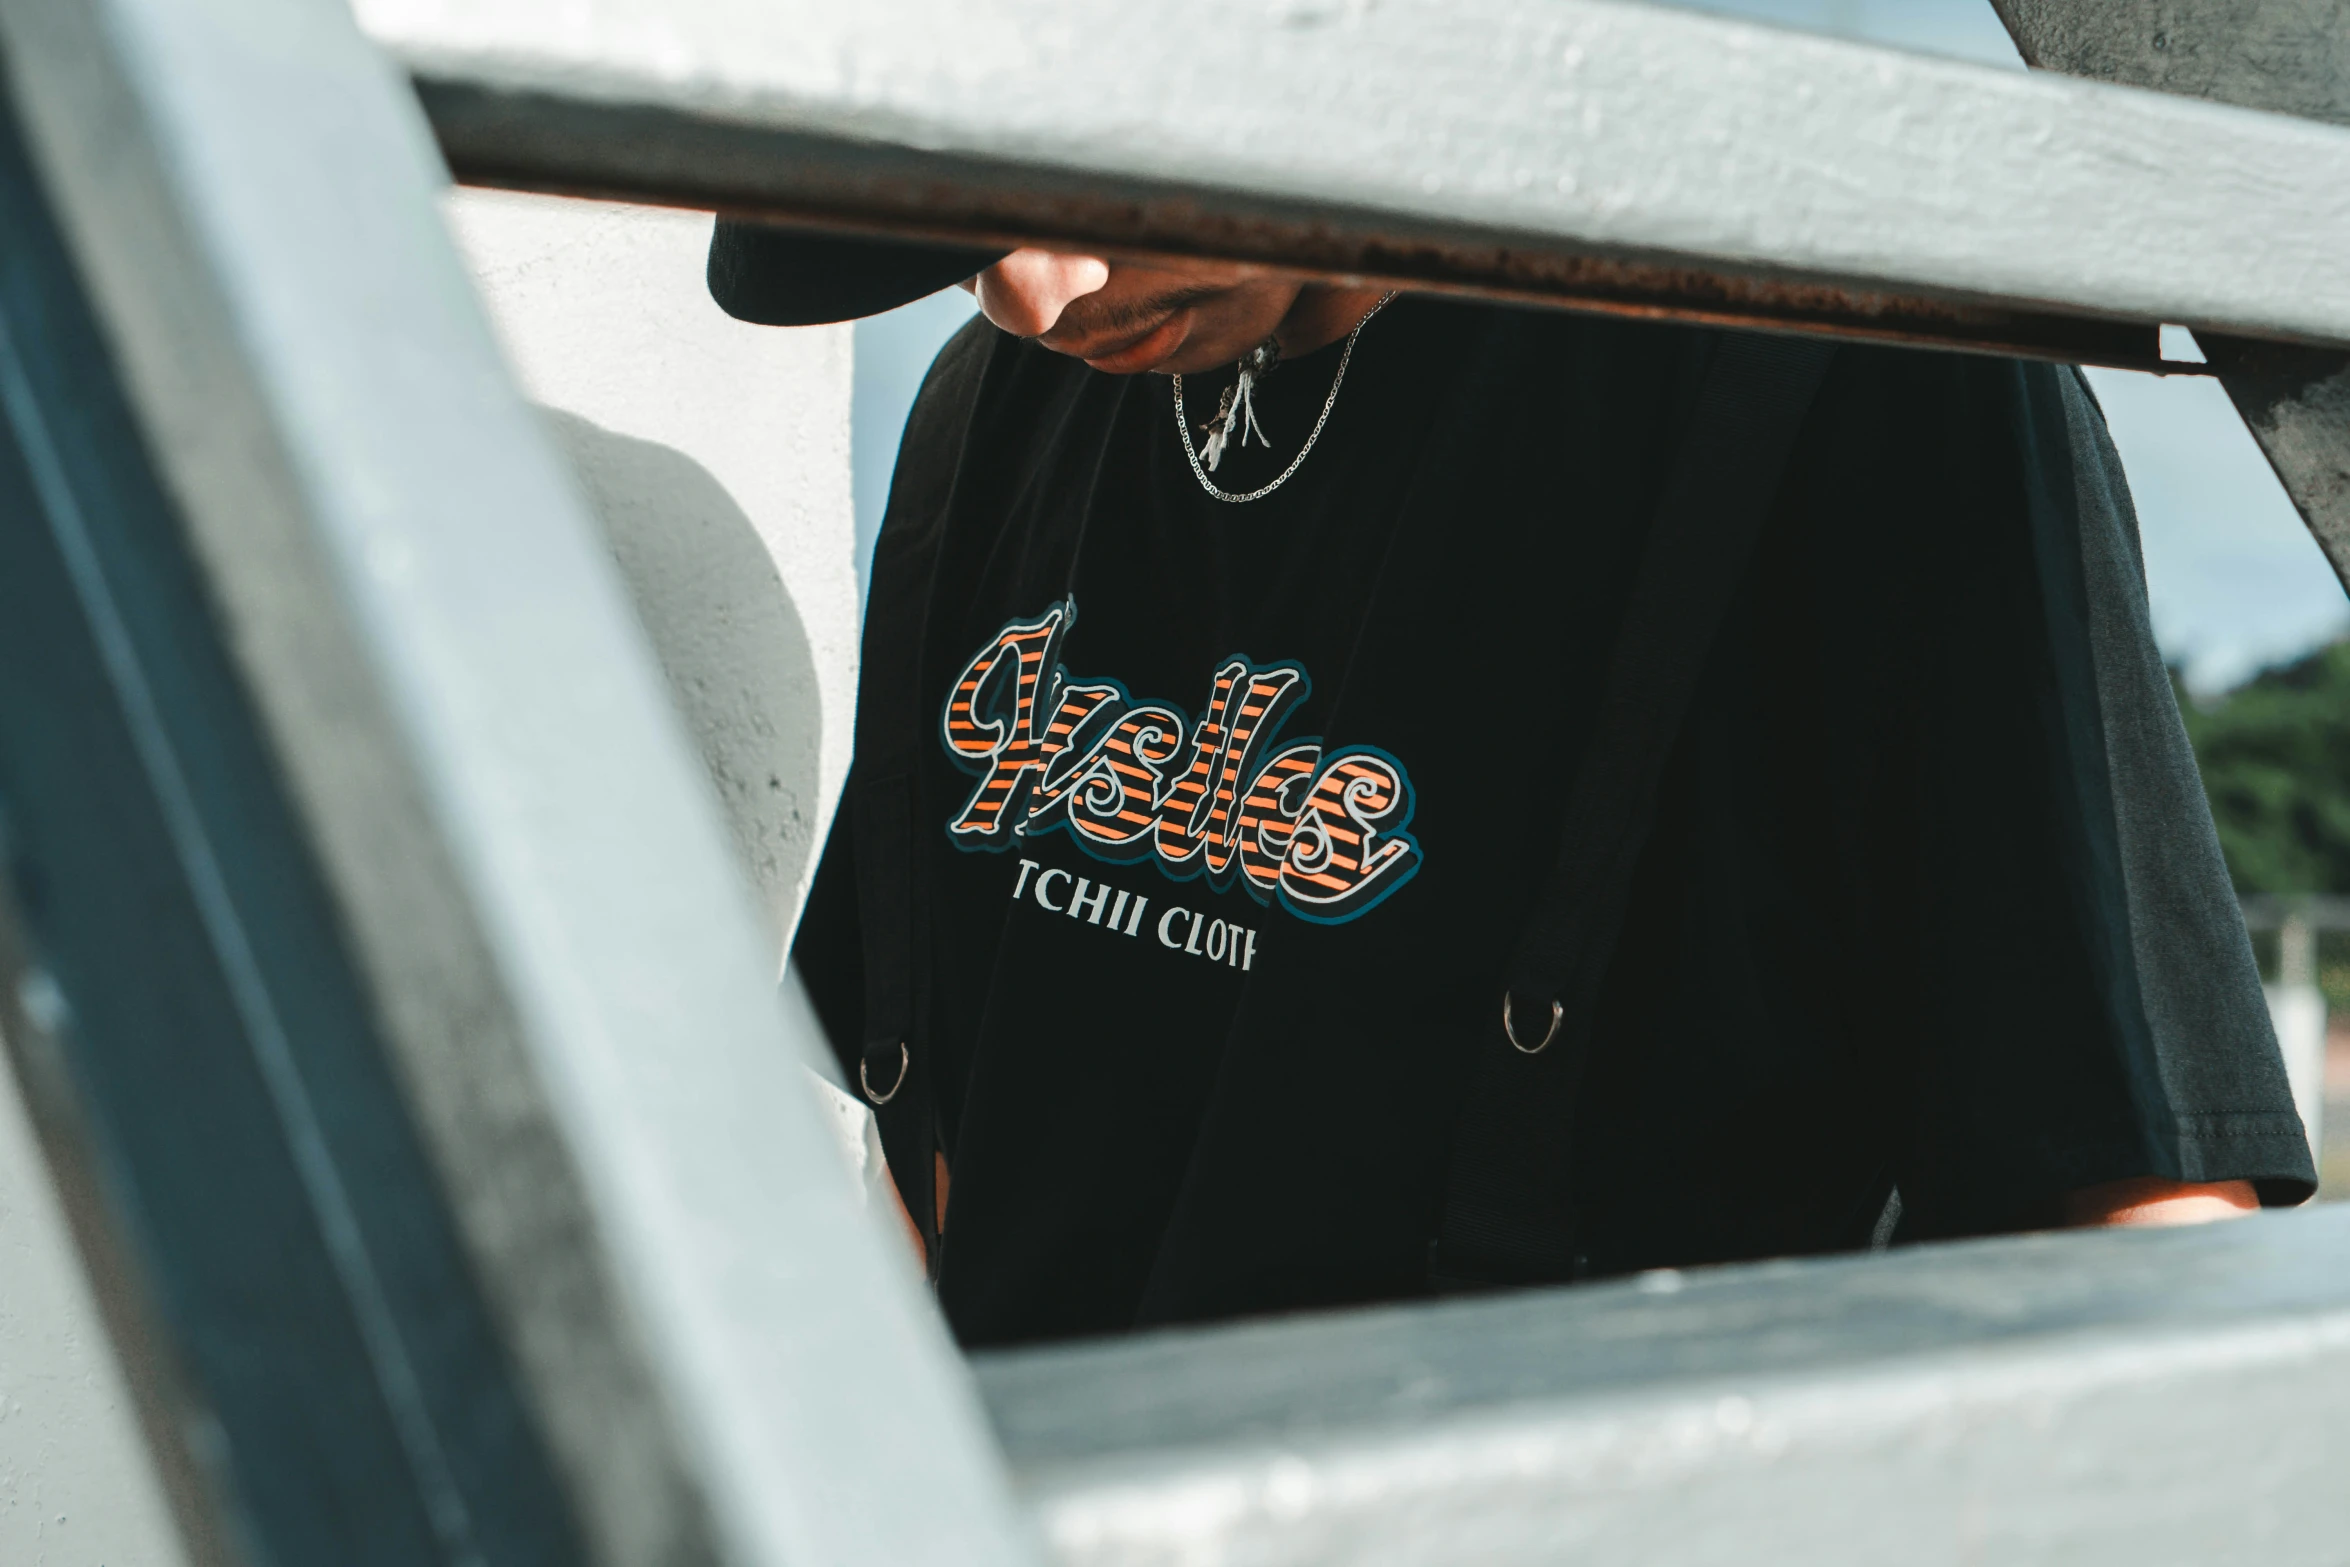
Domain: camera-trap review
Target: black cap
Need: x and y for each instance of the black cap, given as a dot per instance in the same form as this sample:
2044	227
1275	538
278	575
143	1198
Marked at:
803	277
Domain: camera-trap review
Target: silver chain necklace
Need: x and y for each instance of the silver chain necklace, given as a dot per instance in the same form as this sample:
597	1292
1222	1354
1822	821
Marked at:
1237	414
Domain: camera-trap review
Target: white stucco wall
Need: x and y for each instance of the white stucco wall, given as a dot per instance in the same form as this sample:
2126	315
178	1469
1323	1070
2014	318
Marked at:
716	456
76	1489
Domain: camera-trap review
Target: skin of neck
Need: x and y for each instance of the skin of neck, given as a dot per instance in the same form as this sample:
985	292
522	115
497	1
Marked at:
1168	318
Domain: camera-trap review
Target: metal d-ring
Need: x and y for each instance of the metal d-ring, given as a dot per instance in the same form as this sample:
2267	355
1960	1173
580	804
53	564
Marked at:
905	1063
1556	1012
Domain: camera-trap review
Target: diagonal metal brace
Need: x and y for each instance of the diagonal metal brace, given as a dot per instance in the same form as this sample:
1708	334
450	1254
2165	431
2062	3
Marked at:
2288	56
2297	403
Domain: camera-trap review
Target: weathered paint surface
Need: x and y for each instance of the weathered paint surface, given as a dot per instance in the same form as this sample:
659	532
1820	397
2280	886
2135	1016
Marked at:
1458	141
2296	401
2287	56
724	1350
2290	56
2148	1398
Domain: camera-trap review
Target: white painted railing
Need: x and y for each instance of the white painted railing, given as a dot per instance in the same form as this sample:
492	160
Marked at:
520	873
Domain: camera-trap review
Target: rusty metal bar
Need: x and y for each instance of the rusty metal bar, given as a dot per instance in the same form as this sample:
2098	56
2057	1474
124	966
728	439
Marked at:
1595	154
546	142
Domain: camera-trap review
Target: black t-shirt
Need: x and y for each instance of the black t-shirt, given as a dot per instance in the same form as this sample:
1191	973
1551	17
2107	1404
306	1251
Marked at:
1232	814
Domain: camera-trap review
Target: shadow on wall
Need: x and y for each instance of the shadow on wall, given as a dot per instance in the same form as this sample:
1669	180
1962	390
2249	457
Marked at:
729	639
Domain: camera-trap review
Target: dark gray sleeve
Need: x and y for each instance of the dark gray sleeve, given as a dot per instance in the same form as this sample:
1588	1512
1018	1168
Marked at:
2091	1007
2206	1018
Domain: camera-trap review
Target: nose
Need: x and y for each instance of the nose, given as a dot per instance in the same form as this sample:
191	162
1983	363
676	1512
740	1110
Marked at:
1026	292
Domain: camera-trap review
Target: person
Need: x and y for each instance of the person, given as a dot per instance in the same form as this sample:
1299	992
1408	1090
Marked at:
1254	631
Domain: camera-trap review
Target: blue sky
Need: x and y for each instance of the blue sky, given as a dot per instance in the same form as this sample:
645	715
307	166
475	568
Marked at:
2235	580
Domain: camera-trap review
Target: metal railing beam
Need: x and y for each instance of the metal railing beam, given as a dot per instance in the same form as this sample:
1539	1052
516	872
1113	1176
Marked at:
1605	155
2120	1397
2292	56
363	905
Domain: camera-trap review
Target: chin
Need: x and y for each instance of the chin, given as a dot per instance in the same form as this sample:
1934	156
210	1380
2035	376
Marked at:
1147	352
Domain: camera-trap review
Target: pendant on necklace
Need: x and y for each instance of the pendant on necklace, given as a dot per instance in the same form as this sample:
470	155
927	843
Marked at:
1236	411
1236	406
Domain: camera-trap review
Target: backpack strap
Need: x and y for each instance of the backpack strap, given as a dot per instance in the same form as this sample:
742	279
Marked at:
1508	1213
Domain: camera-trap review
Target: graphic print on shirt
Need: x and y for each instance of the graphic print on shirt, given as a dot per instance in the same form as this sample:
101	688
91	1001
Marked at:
1211	796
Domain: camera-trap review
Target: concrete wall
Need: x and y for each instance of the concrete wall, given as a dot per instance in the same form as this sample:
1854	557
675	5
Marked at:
717	457
2298	1012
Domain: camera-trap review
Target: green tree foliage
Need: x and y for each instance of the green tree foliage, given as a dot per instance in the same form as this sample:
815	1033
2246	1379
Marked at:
2275	754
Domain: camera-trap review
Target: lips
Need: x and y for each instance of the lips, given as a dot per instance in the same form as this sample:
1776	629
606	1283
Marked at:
1141	352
